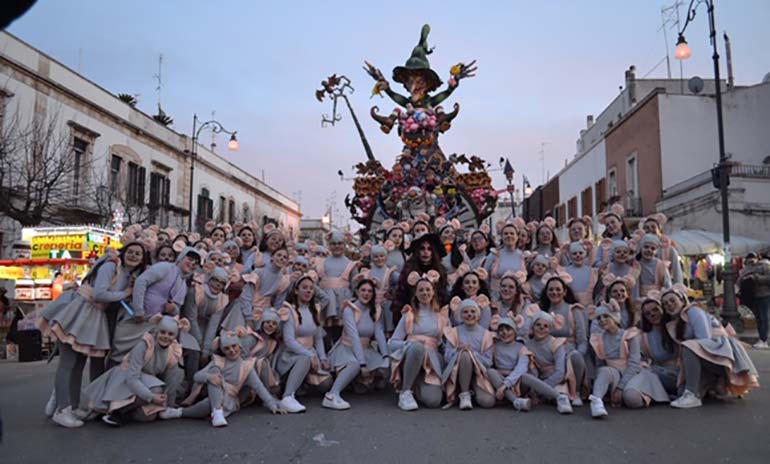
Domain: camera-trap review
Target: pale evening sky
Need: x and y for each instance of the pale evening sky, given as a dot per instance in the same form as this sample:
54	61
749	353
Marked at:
543	66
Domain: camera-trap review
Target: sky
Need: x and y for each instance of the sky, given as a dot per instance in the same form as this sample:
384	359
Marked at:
543	66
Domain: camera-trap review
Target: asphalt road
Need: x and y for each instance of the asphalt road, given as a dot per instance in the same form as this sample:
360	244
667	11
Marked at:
375	431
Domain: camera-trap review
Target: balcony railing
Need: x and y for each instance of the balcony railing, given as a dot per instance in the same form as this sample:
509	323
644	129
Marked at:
736	170
633	206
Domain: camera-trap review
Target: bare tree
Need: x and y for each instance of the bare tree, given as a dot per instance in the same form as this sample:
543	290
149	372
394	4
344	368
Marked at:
38	167
104	200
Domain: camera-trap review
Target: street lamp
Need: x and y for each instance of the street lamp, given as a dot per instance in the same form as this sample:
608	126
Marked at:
216	127
721	172
508	171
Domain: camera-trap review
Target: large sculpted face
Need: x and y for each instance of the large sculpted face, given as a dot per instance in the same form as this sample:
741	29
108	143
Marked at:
418	87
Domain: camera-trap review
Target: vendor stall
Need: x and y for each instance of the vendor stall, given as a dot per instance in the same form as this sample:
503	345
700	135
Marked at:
46	259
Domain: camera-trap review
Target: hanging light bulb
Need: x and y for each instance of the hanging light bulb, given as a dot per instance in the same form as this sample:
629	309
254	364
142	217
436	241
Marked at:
232	145
682	51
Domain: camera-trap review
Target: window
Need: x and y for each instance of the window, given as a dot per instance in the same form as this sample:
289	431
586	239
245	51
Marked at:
160	187
572	208
136	183
632	176
612	187
231	211
246	213
205	206
115	173
601	194
79	148
586	202
222	210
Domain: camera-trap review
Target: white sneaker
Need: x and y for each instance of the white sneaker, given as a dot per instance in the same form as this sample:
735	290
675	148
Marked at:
465	401
335	401
65	418
50	406
83	414
170	413
522	404
760	345
577	402
597	407
562	404
686	401
218	418
406	401
291	404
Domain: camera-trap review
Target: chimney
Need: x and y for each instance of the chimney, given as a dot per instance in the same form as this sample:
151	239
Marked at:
589	121
729	56
631	85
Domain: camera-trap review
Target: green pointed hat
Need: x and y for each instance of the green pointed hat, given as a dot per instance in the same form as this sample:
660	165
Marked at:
418	64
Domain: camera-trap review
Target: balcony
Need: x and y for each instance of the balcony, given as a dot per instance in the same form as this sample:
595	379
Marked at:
633	205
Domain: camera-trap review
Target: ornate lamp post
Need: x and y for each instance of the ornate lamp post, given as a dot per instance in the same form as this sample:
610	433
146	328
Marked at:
508	171
217	128
721	172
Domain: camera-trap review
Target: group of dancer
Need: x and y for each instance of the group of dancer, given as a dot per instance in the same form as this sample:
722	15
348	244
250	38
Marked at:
176	325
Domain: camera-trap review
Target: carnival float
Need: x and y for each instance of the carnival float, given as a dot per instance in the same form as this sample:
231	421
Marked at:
424	181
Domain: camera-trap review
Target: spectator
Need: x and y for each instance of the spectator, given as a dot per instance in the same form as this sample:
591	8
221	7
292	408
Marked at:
754	285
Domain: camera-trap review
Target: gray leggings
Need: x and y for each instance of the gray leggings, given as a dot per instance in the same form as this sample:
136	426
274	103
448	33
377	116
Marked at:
298	374
344	377
699	374
204	407
579	366
69	376
414	377
465	376
528	382
608	378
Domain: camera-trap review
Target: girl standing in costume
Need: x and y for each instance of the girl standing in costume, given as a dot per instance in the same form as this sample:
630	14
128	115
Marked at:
546	243
82	327
584	276
513	302
336	273
353	357
387	278
654	275
263	287
579	229
161	289
654	225
481	252
534	285
204	307
468	355
614	229
414	347
508	259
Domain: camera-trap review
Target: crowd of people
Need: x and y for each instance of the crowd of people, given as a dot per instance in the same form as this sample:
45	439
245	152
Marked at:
177	325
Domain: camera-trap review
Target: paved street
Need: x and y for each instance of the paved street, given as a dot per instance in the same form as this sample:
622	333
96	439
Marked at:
376	431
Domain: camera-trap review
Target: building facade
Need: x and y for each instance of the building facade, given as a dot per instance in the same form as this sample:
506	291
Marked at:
652	150
117	157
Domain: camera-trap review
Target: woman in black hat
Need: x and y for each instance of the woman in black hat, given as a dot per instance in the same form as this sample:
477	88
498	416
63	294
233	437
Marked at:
425	253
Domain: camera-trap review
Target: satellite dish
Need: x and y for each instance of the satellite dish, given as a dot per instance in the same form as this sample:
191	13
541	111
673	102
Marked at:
695	84
766	79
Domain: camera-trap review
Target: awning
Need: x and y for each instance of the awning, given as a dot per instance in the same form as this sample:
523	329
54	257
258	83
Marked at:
691	242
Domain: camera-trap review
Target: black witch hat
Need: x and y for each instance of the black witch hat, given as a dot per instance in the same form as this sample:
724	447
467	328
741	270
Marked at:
418	64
